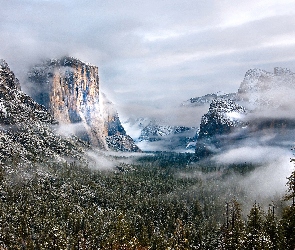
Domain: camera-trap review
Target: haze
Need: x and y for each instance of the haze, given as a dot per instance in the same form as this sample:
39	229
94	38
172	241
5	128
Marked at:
153	55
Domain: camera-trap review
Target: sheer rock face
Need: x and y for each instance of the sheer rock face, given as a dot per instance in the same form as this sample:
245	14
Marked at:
263	90
25	126
69	89
223	118
269	97
262	108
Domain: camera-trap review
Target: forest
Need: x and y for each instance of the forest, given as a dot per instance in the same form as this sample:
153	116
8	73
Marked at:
158	201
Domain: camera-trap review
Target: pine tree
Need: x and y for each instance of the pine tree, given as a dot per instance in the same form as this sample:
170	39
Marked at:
288	218
273	229
233	230
256	236
291	188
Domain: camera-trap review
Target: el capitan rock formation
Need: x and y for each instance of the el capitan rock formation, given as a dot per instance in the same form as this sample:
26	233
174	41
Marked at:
69	89
26	133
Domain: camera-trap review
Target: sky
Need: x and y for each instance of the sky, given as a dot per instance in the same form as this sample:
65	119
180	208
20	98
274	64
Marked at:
153	55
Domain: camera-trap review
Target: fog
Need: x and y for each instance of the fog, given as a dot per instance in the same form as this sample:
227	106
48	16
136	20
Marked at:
154	55
110	160
269	151
70	129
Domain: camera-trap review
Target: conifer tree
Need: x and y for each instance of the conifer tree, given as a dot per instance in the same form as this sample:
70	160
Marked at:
233	230
288	218
256	236
291	187
273	229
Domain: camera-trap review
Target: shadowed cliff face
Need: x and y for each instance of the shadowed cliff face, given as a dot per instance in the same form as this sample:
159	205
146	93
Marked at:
223	118
261	114
26	135
69	89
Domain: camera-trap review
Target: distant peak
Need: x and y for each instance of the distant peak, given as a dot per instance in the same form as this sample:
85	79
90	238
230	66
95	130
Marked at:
254	73
3	63
66	61
282	71
278	71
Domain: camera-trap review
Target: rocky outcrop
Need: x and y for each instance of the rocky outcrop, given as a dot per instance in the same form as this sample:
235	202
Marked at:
26	133
69	89
265	117
217	126
266	90
115	134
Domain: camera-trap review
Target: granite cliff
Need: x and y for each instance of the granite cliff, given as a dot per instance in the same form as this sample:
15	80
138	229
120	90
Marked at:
260	113
267	90
26	133
69	89
219	127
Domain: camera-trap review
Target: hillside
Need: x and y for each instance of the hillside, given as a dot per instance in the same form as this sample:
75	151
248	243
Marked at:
70	90
27	129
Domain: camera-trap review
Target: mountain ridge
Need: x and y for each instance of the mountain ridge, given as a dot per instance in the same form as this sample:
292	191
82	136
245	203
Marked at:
70	89
26	128
259	107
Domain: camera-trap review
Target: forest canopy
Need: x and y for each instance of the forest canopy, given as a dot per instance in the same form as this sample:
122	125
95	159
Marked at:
144	205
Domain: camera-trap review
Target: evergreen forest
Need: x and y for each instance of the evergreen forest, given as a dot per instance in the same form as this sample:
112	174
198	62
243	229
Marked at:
159	201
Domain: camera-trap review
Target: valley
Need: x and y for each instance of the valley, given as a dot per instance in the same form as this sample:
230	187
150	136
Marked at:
72	178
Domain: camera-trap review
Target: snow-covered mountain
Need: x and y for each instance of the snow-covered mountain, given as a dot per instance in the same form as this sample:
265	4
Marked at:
66	92
208	98
69	89
222	119
152	135
259	113
168	138
268	90
26	128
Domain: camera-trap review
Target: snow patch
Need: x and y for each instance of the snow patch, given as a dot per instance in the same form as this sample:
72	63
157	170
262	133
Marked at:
3	109
234	115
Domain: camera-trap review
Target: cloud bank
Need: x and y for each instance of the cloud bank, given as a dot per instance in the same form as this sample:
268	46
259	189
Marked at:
154	54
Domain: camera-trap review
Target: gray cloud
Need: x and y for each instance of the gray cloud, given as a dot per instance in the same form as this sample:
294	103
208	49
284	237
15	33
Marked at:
267	182
154	54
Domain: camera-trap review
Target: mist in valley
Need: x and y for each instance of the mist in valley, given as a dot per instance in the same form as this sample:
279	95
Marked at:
77	184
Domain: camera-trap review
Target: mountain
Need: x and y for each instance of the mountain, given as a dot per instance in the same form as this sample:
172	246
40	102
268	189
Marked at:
207	99
69	89
152	135
167	138
260	113
262	89
26	128
223	118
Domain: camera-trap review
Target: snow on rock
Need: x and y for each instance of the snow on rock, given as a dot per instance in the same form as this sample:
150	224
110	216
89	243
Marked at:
261	89
222	118
263	105
26	133
70	89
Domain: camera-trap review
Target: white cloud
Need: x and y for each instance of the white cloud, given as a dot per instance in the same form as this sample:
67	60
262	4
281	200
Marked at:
252	154
267	182
153	52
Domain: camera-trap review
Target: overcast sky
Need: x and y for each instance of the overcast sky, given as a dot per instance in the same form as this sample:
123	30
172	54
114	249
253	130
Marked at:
152	55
